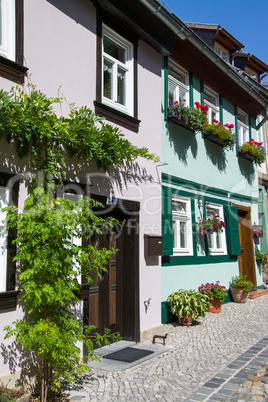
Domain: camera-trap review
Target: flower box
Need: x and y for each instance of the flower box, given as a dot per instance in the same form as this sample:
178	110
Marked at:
253	151
220	134
184	125
247	156
215	139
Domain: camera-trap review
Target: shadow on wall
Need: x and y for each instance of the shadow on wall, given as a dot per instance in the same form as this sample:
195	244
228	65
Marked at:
216	154
182	139
247	169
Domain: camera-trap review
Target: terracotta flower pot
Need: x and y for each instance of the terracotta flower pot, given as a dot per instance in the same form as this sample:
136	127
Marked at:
215	306
238	295
185	320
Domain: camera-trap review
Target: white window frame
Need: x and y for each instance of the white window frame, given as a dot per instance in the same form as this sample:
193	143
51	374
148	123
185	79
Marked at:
213	107
243	129
4	202
177	218
8	29
128	67
259	133
221	50
212	237
175	82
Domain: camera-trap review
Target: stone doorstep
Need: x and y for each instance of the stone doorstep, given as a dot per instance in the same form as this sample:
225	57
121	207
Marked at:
257	293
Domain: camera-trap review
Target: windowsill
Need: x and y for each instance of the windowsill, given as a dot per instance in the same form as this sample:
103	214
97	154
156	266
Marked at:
11	70
8	300
117	117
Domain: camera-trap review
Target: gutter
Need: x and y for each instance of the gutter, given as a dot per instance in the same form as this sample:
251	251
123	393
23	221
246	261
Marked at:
183	32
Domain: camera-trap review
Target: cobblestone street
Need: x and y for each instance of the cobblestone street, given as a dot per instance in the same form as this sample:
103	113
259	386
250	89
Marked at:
208	361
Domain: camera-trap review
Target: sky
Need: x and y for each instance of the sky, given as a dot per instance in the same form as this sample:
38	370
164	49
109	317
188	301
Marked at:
246	20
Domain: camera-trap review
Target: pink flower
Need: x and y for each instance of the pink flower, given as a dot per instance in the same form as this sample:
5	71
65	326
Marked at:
184	100
231	126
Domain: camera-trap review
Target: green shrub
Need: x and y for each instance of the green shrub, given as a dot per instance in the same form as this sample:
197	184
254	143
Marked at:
190	302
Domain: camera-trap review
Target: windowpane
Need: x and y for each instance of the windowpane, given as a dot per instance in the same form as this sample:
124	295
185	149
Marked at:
171	94
183	235
121	86
114	50
1	24
107	79
179	206
3	239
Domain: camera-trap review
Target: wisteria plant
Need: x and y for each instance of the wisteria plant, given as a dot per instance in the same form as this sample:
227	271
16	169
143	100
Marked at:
254	149
210	224
214	291
194	118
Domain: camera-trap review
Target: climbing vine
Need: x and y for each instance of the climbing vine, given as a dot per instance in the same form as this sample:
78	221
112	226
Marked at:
49	261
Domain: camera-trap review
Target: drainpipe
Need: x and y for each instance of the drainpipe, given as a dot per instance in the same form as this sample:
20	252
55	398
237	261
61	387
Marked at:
261	123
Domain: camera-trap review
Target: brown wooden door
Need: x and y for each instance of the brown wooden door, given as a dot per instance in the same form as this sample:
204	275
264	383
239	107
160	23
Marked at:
113	301
246	260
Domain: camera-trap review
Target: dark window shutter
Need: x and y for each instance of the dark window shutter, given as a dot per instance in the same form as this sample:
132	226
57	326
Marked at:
232	230
11	246
167	231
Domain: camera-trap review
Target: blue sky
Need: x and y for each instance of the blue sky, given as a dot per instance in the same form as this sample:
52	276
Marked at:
246	20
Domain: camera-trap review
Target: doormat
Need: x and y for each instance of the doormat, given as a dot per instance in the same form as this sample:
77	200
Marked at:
128	355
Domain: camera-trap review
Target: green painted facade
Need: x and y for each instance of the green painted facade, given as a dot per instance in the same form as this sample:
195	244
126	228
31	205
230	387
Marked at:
202	171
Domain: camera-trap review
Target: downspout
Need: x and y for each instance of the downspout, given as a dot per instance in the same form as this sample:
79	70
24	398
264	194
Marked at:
265	118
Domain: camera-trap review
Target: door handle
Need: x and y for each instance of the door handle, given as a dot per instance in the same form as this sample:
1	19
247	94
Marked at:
242	249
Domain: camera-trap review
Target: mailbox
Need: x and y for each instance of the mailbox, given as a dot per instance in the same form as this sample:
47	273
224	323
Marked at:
153	245
257	230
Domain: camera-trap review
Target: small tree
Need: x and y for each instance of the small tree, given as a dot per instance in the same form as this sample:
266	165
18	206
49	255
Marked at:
50	264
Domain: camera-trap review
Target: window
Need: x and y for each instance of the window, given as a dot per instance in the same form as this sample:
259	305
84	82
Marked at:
259	133
11	40
8	294
216	241
4	202
117	73
117	67
222	51
243	131
7	29
182	226
178	85
211	99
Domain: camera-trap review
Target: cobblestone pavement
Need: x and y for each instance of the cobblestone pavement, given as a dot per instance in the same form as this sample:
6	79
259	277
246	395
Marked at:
210	361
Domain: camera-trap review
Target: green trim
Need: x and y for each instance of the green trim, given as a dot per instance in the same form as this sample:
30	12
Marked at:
190	185
221	108
202	92
165	68
236	128
249	128
191	89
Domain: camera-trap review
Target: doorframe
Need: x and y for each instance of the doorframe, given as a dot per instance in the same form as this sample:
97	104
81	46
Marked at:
244	208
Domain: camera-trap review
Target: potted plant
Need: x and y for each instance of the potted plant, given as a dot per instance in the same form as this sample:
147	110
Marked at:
261	258
252	150
216	294
240	288
210	225
188	305
194	118
221	134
